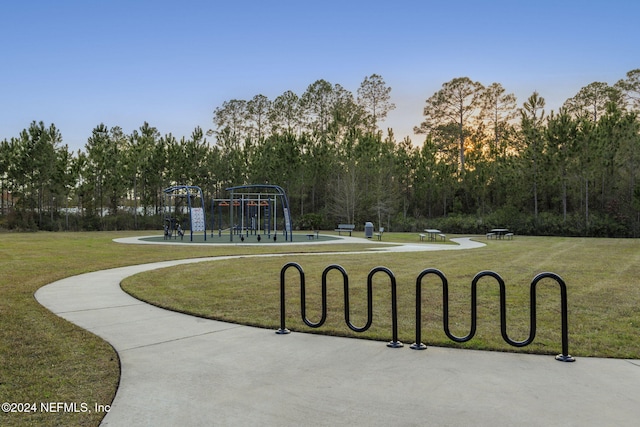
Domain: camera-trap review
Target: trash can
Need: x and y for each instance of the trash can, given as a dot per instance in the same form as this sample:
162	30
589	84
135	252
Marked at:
368	230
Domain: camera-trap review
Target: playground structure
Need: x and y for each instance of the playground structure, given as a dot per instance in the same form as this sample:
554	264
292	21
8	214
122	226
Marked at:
252	209
182	203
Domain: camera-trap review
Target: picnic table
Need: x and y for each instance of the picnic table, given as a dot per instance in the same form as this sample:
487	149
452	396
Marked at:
432	233
499	233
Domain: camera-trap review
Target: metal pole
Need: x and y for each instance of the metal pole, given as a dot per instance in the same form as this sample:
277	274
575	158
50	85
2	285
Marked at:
231	226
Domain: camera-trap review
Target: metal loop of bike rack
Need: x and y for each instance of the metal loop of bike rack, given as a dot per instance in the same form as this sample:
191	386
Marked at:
418	345
345	278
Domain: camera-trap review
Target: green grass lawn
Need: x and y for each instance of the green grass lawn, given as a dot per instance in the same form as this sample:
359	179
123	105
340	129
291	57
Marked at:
44	358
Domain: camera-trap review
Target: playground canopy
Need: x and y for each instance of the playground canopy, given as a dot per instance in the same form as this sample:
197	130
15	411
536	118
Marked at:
255	206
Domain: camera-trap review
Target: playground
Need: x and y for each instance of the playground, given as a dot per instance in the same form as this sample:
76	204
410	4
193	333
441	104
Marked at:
257	211
253	213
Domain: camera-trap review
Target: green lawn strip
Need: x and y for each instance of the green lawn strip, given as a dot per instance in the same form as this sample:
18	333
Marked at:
602	276
44	358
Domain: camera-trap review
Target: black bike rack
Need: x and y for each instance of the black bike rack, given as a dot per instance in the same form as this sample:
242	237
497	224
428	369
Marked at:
345	279
418	345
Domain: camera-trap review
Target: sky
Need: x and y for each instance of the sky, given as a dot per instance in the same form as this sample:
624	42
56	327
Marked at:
77	64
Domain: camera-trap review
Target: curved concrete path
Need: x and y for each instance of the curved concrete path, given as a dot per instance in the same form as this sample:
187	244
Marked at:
181	370
460	244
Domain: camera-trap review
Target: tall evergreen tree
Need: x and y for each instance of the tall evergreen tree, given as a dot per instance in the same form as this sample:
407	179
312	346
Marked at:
591	101
532	118
449	112
630	89
498	110
561	139
375	97
286	115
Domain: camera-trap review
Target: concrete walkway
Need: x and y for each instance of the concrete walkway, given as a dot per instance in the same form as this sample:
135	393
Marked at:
461	243
181	370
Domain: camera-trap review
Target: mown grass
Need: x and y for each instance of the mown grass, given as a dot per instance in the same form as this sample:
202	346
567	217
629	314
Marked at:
44	358
602	275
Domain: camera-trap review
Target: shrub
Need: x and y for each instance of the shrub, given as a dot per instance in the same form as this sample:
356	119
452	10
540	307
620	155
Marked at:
310	221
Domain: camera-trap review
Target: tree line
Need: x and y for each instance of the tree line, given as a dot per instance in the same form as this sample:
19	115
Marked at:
485	161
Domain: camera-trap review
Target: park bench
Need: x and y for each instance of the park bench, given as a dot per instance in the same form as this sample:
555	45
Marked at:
345	227
422	236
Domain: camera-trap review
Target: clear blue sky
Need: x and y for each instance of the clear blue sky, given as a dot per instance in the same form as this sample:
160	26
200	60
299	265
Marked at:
123	62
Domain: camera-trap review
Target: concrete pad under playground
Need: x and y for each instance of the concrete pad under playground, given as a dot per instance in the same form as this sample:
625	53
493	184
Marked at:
181	370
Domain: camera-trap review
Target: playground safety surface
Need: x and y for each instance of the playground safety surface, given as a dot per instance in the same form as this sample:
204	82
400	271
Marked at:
182	370
224	238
